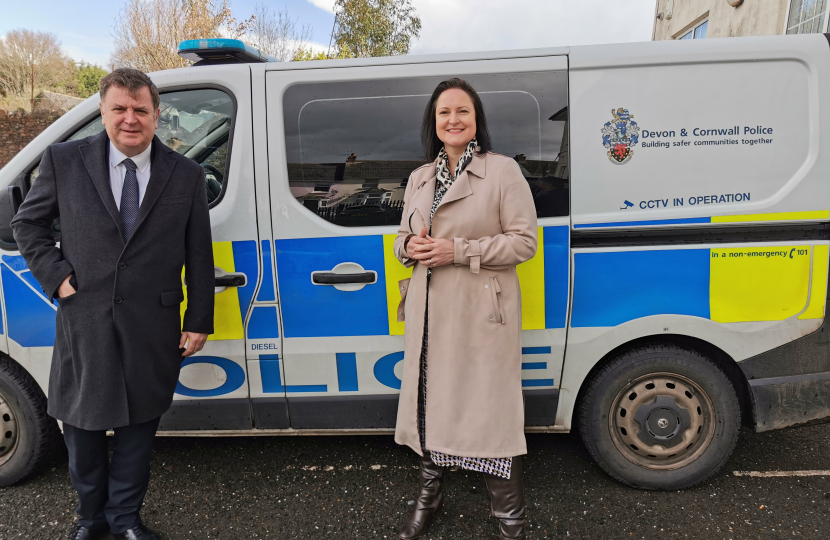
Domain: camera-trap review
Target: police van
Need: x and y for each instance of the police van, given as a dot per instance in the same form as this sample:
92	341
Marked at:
678	290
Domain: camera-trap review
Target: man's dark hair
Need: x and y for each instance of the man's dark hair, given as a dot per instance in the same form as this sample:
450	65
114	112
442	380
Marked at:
429	135
131	79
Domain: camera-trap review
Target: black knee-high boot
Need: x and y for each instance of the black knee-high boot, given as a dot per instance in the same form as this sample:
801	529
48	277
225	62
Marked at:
508	502
429	502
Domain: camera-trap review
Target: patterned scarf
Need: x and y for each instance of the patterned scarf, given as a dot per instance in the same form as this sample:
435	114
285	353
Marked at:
442	173
442	169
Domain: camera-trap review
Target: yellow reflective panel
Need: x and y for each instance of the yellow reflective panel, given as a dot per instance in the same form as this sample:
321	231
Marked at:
227	320
758	284
778	216
532	281
818	285
395	272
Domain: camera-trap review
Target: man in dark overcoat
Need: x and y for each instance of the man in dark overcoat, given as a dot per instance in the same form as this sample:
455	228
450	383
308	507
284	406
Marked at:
133	212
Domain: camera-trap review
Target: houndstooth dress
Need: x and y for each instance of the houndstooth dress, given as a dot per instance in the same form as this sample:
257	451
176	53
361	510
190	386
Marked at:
496	466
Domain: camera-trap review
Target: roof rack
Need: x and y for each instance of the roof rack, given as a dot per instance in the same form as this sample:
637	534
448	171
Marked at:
221	51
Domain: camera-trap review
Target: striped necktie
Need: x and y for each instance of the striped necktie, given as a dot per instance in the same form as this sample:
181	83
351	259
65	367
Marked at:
129	199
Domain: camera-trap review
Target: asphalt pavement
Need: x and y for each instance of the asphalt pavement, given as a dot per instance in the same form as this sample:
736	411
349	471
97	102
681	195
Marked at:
363	487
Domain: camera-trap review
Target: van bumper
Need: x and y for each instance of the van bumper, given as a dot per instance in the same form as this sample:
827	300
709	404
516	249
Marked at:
790	385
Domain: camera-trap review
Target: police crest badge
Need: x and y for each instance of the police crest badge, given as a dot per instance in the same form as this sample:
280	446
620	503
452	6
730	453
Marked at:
619	136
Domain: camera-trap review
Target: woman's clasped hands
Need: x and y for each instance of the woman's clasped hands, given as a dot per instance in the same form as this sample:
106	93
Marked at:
430	252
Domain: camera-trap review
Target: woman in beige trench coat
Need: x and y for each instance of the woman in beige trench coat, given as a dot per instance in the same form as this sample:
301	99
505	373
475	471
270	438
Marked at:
468	220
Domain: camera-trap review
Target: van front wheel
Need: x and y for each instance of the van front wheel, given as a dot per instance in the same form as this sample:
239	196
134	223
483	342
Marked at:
25	429
660	417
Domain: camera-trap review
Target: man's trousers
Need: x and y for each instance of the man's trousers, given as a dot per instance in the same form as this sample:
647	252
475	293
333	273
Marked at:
110	493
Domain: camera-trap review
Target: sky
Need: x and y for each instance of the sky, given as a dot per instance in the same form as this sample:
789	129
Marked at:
85	27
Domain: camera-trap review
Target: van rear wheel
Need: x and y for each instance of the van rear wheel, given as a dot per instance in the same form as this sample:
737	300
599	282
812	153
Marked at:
26	432
660	417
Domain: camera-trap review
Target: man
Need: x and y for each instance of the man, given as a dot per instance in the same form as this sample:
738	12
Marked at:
133	212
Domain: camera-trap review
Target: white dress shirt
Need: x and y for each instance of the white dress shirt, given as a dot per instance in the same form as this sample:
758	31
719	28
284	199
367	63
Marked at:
118	170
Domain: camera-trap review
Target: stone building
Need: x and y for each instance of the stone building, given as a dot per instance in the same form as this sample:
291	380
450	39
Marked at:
698	19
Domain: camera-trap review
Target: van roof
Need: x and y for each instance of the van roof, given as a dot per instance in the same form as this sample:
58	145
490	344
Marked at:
636	53
619	54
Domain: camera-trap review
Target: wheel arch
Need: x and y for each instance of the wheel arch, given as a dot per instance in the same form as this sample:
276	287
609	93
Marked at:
722	360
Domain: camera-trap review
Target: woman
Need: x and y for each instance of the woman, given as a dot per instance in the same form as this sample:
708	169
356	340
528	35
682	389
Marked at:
468	220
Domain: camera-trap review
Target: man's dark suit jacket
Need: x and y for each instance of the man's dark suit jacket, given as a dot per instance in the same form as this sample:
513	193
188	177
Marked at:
116	359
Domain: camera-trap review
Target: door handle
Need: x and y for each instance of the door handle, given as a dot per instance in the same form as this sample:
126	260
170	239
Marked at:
346	276
330	278
230	280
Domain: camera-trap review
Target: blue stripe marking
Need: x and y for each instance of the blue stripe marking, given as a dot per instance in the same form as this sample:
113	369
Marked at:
15	262
31	318
557	280
534	365
264	323
535	350
245	261
537	382
346	372
643	223
266	290
310	310
269	369
613	288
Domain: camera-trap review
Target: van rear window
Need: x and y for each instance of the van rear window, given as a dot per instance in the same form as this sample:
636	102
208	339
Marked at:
352	145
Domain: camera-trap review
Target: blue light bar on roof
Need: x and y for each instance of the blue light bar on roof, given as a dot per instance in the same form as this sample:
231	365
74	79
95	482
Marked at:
215	51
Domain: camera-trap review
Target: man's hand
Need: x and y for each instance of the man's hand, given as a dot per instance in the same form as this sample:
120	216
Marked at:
194	343
65	288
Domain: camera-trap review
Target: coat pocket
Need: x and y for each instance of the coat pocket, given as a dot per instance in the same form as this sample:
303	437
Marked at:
403	286
497	312
172	298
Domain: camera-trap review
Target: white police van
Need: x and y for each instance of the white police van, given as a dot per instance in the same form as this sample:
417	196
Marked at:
678	290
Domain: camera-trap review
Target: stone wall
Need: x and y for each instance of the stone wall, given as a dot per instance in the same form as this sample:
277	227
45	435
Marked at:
18	129
749	18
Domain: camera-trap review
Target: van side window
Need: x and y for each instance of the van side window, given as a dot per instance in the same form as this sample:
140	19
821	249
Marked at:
352	145
195	123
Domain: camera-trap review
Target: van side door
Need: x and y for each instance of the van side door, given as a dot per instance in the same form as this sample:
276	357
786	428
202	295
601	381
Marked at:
342	143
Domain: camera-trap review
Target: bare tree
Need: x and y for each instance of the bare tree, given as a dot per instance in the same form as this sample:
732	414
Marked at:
277	34
366	28
32	61
147	32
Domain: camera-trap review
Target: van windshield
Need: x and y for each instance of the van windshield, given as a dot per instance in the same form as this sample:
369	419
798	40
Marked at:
194	123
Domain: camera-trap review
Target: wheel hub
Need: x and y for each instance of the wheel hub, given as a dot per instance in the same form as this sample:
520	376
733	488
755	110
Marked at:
8	430
662	421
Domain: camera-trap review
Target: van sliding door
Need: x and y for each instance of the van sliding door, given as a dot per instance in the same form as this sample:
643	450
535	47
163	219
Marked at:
342	144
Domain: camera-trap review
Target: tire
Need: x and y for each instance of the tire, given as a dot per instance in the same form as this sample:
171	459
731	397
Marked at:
26	432
660	417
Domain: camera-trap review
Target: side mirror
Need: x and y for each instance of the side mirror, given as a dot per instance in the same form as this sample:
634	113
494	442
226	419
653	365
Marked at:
11	198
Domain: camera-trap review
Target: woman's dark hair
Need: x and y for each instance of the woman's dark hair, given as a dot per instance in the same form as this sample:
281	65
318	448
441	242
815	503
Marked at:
429	135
